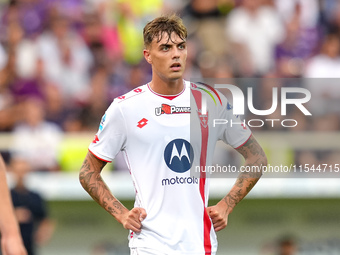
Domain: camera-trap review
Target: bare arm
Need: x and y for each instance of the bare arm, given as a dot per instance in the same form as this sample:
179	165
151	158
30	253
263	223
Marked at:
11	242
44	231
254	156
91	180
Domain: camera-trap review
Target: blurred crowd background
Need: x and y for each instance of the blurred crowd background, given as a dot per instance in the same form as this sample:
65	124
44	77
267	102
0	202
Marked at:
62	62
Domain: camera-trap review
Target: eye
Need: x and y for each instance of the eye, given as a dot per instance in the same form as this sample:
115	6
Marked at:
165	48
181	46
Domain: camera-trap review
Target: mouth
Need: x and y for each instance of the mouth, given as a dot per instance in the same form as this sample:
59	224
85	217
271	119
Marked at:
176	67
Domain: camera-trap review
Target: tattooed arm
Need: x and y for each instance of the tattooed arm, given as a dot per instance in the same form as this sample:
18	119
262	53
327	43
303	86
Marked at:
91	180
254	160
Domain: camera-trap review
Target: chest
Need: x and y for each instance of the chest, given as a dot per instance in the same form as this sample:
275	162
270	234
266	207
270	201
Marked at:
158	120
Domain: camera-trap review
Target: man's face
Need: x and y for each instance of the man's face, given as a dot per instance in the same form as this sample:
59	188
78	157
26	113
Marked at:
167	57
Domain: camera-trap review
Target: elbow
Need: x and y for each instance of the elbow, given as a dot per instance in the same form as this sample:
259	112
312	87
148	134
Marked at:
264	163
82	178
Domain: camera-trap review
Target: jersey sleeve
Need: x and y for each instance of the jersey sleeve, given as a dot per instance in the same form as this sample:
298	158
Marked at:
235	132
111	135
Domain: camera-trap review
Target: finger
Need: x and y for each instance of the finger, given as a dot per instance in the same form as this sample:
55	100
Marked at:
219	225
136	216
218	229
133	219
142	214
133	225
216	219
134	229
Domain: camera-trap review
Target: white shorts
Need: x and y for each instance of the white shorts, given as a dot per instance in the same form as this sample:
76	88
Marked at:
147	251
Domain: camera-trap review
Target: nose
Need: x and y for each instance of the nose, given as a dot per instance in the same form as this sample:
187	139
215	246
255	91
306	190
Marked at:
176	53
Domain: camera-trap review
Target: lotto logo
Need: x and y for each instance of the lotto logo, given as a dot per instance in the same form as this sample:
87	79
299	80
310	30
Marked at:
95	140
142	123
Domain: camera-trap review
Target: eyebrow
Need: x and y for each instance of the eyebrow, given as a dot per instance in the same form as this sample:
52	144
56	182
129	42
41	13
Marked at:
170	45
165	44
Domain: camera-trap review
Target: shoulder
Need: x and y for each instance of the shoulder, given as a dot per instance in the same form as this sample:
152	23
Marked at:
127	102
209	91
132	95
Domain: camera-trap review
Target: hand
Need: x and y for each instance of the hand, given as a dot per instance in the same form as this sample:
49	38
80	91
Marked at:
133	219
12	246
219	215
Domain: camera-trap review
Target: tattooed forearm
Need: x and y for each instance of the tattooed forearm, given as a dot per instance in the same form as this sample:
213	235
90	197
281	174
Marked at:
255	160
233	198
116	208
251	148
93	183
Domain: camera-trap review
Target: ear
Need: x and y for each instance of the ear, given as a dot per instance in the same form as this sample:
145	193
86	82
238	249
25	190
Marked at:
147	56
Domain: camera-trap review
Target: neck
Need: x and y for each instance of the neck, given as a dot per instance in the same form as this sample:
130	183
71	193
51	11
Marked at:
166	87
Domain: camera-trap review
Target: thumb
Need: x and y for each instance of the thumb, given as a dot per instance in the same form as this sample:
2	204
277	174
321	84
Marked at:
142	214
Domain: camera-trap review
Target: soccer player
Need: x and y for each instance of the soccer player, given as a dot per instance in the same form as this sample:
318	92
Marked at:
151	125
11	241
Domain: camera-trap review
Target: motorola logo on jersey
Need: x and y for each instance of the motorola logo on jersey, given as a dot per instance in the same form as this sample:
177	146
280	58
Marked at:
179	155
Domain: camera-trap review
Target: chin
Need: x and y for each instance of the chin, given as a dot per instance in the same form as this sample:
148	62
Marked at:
175	77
